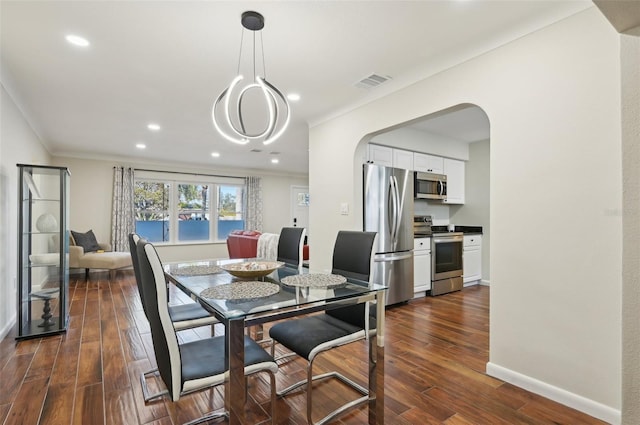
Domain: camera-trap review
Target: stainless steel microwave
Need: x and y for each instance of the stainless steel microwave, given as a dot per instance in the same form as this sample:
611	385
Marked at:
430	186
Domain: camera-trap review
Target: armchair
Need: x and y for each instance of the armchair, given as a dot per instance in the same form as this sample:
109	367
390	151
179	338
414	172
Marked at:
95	255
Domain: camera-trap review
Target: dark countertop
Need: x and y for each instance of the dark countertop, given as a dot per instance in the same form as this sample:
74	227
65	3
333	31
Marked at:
467	230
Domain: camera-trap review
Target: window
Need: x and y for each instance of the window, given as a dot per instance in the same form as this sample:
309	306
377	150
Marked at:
174	212
193	212
151	202
230	209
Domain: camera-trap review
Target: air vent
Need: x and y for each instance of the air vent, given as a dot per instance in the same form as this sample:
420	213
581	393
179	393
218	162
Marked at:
274	153
373	80
255	150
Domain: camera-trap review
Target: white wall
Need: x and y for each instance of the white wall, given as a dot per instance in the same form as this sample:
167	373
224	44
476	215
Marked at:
475	211
91	192
630	53
18	144
422	141
553	101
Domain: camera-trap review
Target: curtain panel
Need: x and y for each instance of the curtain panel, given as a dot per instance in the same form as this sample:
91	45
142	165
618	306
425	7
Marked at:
253	204
123	220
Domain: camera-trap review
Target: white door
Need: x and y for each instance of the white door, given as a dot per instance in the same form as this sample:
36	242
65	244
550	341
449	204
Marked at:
300	207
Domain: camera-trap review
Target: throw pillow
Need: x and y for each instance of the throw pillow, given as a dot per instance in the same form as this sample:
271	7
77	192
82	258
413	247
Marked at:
86	240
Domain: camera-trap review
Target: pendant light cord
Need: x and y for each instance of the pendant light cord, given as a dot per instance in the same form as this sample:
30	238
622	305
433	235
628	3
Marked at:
254	55
264	67
240	53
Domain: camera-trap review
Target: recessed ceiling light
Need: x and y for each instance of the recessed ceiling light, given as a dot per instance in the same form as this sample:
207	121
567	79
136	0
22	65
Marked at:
274	160
153	127
141	146
294	97
76	40
215	154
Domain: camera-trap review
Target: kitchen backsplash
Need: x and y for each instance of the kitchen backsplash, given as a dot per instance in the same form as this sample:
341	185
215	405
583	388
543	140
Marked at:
439	212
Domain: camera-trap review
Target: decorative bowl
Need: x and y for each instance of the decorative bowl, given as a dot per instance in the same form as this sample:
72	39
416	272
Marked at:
251	268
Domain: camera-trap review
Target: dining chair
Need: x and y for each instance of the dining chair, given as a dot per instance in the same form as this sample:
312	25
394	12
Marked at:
183	316
312	335
196	365
290	245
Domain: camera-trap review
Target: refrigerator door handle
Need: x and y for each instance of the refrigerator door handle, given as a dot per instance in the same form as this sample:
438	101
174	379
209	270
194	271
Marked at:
379	258
393	199
398	210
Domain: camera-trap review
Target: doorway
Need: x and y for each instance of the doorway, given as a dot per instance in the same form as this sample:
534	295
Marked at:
300	207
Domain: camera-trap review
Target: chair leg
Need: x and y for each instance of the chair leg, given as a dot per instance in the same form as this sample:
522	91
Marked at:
273	351
309	383
86	275
272	378
208	417
145	388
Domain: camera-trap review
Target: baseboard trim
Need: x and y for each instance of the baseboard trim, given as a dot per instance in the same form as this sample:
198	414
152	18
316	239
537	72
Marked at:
5	331
485	282
585	405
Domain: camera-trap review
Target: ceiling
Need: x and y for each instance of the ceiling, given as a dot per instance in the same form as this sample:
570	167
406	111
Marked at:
167	61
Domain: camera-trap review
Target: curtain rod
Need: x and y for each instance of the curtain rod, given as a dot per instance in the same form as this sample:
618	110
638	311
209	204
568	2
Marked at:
189	174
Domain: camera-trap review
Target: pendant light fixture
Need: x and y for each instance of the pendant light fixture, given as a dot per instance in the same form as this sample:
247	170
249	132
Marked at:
228	112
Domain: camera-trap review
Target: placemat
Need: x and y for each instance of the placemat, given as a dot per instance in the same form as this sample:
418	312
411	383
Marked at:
241	290
314	280
196	270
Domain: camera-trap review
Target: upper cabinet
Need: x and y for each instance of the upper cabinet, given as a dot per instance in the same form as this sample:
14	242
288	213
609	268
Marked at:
454	170
399	158
403	159
390	157
380	155
428	163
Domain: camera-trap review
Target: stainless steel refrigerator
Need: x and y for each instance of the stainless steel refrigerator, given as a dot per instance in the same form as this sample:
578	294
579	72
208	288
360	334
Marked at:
388	210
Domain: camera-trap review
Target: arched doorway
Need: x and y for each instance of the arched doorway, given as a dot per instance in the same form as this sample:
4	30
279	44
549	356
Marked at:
458	133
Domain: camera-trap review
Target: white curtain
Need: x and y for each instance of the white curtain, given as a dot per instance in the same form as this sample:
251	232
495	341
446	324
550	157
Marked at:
123	219
253	204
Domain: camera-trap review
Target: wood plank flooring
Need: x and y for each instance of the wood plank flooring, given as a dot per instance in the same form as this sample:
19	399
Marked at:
436	351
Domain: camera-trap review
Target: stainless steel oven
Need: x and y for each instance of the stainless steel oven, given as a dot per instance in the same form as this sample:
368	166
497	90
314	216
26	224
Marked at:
446	262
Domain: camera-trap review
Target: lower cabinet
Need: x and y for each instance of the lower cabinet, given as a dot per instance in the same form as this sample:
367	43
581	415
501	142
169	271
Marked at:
472	259
421	266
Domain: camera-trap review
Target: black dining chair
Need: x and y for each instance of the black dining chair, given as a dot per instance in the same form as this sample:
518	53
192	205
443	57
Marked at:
290	245
312	335
196	365
183	316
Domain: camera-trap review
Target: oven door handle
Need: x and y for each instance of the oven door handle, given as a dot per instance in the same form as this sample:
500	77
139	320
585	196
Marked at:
445	239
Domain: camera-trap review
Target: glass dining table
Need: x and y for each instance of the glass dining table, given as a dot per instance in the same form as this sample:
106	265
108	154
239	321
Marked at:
242	302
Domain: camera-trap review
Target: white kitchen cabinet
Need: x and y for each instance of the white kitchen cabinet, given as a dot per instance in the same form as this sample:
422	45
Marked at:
472	259
403	159
428	163
380	155
421	266
390	157
454	170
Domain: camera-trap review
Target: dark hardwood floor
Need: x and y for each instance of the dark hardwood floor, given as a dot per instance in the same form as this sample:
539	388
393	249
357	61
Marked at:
436	351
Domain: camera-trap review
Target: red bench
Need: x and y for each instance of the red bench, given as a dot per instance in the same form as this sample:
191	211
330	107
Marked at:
244	244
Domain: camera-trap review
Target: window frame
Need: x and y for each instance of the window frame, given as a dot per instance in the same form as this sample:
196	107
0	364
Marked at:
175	179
